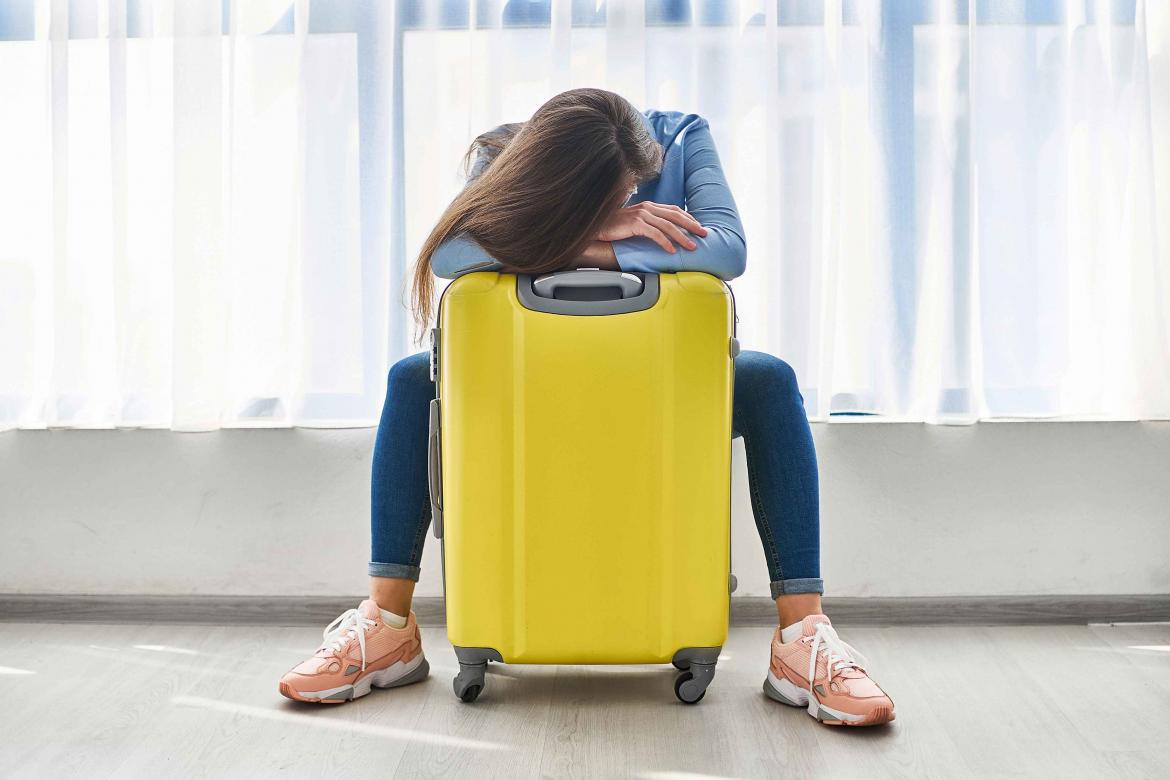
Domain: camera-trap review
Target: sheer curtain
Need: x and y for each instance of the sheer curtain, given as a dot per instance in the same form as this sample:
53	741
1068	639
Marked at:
955	210
196	215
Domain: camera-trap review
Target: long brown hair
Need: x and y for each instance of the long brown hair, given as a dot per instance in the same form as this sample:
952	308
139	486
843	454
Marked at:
542	189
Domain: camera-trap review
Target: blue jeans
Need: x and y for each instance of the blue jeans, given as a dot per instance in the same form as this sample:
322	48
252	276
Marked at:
768	413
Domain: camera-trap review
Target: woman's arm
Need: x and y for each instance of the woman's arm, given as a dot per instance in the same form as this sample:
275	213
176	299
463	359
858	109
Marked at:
460	255
719	246
723	250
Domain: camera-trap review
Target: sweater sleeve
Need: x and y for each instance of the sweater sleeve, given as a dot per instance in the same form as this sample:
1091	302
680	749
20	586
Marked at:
723	251
459	255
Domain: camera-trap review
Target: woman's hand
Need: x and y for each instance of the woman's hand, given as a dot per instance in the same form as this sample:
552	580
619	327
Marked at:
658	222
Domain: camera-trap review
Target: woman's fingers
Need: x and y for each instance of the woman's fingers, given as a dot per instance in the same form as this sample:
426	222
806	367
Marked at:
672	230
678	216
689	222
663	224
650	231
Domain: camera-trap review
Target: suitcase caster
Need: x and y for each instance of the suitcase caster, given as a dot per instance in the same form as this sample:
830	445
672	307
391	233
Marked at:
473	661
690	686
696	667
468	684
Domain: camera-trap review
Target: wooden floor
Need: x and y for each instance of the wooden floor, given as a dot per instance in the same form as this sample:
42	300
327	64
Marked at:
160	701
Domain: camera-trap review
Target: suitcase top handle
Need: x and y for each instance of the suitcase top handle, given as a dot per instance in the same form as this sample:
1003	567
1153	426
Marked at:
587	284
587	291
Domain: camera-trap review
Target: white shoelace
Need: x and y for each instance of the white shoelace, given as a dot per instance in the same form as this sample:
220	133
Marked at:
839	656
336	634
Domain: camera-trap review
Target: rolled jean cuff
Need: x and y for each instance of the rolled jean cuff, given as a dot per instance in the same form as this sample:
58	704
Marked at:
399	571
802	585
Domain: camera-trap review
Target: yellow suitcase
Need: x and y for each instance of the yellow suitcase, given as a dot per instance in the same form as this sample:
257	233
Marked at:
580	470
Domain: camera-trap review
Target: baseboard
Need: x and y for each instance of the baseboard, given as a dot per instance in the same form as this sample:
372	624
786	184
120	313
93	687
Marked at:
971	610
745	610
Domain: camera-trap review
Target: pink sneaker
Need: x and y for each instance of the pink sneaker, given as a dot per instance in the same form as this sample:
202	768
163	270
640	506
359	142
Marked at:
836	691
359	652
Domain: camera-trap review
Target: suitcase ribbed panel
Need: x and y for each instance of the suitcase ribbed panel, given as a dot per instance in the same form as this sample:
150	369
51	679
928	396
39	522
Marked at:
586	473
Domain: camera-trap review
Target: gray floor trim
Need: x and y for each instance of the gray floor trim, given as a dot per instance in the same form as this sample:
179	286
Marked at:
972	610
745	610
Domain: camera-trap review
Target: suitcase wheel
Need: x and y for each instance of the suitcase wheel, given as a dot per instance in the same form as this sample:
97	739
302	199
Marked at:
691	685
473	661
468	684
470	693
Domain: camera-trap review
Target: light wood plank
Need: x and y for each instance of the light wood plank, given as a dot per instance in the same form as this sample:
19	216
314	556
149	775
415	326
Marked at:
917	744
189	701
1079	672
988	705
1145	647
494	737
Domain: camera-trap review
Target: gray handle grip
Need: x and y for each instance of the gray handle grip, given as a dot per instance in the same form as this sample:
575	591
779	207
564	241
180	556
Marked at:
546	286
588	293
434	472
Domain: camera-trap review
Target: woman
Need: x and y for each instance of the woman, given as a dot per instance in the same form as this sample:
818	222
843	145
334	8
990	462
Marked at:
589	181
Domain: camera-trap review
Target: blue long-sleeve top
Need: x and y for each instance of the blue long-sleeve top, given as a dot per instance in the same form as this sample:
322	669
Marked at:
691	177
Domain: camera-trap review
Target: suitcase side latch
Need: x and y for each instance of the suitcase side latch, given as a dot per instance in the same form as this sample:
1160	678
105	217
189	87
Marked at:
434	472
434	354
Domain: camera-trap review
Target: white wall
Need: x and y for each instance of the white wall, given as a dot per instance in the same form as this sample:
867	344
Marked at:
908	510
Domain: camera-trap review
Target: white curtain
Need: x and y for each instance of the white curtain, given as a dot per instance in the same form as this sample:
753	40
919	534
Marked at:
196	225
955	210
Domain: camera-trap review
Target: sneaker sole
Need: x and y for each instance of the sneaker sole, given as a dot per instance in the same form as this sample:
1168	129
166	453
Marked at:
783	691
393	676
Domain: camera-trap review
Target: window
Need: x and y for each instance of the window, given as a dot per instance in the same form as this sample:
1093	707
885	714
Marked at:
951	208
